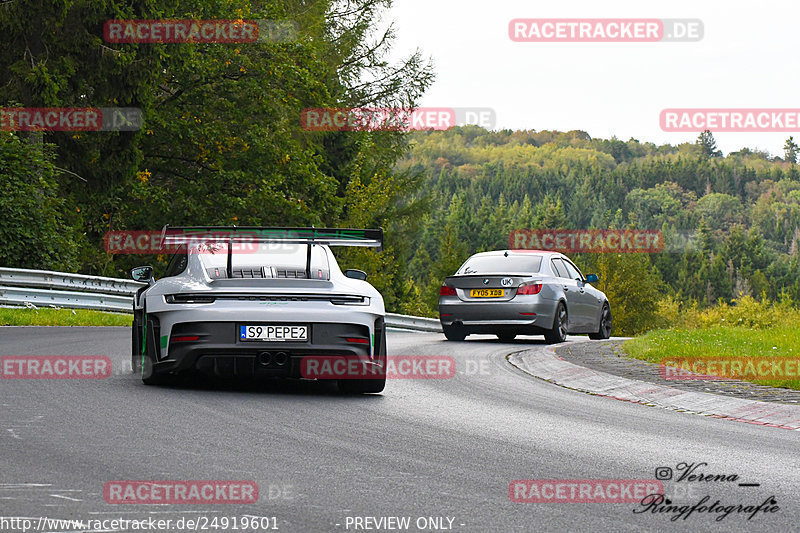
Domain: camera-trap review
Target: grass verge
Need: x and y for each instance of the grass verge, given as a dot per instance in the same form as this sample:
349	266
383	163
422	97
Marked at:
723	343
61	317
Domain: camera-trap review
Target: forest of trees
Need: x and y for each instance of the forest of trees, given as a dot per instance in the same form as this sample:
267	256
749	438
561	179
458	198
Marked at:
222	144
742	212
221	141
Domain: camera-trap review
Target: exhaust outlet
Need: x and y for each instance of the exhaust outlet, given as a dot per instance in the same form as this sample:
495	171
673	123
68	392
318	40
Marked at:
281	358
264	358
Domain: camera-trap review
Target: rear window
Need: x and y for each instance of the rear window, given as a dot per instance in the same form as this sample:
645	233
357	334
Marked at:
266	260
499	264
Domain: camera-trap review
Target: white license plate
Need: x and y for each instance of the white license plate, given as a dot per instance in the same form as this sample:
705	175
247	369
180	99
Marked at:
273	332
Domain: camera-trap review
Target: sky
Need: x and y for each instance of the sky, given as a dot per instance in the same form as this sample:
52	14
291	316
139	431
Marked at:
747	58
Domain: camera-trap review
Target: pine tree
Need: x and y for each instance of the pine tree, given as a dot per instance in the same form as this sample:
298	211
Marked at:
790	150
708	145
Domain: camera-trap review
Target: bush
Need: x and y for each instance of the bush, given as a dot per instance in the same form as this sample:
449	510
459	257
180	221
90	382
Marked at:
632	286
746	311
31	225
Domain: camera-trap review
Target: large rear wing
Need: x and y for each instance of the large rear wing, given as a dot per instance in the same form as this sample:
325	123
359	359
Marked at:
371	238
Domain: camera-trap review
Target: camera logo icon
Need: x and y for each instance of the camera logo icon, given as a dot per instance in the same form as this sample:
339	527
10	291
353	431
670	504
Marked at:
663	473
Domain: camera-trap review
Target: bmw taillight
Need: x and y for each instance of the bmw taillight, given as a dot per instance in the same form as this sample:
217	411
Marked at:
529	288
447	291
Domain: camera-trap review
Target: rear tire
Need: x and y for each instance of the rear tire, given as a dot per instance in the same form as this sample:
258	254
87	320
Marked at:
136	344
365	386
454	333
157	379
136	351
145	362
604	330
558	333
361	386
506	337
151	377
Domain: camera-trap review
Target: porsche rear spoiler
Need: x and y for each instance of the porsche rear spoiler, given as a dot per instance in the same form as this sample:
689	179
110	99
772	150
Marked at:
371	238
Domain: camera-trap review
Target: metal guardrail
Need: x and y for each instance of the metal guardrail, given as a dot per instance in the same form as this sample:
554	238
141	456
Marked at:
46	279
44	288
416	323
72	300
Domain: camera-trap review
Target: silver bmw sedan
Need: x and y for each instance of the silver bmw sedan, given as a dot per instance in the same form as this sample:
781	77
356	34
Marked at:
522	292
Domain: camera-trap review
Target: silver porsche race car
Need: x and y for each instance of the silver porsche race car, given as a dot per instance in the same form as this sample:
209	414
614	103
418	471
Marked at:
253	302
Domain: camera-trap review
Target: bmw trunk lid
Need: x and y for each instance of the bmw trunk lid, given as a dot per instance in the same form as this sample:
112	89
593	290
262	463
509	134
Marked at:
486	287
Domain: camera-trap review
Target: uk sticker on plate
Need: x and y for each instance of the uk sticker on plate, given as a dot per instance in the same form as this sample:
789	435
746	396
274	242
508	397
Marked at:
273	332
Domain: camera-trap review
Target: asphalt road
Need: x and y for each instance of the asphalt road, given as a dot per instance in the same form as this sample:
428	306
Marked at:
422	449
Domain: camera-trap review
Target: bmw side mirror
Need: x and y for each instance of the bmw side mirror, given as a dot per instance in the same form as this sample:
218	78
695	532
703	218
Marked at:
592	278
143	273
352	273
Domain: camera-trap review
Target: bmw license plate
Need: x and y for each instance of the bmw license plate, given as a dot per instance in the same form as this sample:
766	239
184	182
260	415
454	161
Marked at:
273	332
486	293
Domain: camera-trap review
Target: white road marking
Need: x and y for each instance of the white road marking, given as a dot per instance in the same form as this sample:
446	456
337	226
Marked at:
66	498
153	512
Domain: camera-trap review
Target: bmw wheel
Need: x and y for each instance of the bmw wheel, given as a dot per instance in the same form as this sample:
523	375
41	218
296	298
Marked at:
558	333
604	331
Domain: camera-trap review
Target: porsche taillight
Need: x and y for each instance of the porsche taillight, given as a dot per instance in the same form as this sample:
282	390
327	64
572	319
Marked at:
184	338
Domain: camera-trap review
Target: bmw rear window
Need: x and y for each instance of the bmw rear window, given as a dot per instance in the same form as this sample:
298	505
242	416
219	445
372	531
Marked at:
498	264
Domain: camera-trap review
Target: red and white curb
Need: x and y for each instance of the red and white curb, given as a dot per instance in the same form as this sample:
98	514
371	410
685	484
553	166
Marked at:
545	364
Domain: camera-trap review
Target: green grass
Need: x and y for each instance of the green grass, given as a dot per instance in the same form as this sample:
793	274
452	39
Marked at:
720	342
61	317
